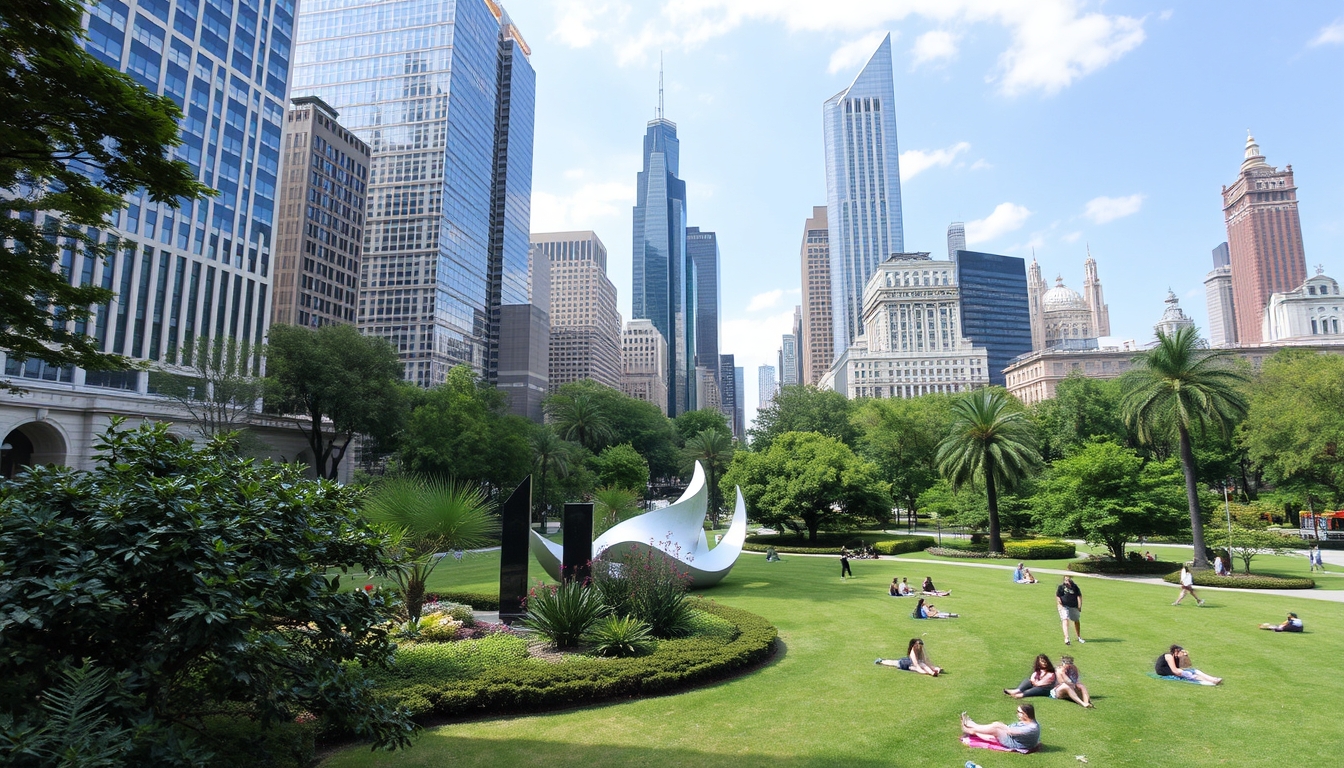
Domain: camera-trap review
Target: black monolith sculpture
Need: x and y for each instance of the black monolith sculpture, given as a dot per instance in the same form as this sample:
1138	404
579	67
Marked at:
515	520
577	560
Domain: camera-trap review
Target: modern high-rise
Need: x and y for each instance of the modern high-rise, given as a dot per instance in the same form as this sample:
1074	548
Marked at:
788	360
664	277
956	239
1264	238
1218	300
320	221
585	324
729	386
817	343
766	386
863	189
702	250
994	307
740	408
444	95
644	361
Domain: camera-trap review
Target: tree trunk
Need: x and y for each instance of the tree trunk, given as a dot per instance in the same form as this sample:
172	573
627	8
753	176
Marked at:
995	540
812	526
1192	498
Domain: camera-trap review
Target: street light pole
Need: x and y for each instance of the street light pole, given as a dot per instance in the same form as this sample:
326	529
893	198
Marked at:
1227	507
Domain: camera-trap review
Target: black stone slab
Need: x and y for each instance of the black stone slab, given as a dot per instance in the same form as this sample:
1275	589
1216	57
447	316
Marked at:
578	545
515	520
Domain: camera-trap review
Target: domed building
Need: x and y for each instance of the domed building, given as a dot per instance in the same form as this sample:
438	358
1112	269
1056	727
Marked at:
1173	317
1063	317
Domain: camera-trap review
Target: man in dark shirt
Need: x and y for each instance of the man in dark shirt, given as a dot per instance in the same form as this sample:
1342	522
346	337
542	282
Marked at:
1069	600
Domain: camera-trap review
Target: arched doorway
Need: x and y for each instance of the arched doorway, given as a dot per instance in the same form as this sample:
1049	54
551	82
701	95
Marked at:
34	443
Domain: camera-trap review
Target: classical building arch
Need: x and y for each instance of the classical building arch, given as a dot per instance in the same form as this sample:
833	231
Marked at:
32	443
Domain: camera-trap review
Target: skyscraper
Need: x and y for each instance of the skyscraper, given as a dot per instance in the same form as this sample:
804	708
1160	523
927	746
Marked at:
585	324
443	93
664	278
702	250
1218	300
729	390
644	363
788	360
817	344
766	386
863	189
956	239
994	307
740	408
1264	238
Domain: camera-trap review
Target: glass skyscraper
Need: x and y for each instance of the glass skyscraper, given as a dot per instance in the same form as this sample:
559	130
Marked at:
702	249
995	311
863	189
444	94
664	278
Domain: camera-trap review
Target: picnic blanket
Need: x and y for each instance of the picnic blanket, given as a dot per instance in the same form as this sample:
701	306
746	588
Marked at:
977	742
1156	676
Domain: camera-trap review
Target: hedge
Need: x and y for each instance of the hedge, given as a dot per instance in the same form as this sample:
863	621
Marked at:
902	546
970	554
533	685
477	600
828	545
1109	565
1039	549
1210	579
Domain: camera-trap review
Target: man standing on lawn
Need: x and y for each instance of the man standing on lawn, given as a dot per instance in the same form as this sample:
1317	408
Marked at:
1069	600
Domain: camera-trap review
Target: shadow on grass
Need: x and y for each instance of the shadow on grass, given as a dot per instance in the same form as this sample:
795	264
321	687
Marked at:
1092	640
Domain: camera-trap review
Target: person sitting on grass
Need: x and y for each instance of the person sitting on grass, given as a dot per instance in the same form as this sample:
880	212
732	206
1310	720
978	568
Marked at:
771	555
1148	556
1027	573
1066	683
1024	734
1293	624
1176	663
906	590
895	589
1023	575
1039	683
914	660
934	613
929	589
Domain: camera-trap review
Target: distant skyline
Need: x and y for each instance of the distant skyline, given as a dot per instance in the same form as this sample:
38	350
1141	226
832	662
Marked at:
1043	124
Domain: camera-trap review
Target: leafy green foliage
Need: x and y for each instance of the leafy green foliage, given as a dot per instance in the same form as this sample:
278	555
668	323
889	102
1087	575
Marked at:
901	437
804	408
580	417
1245	543
611	505
621	466
692	423
714	450
221	388
620	637
444	662
563	614
1083	409
1128	565
832	543
198	581
631	421
478	600
711	625
551	458
806	480
1039	549
645	583
902	546
1242	581
1295	424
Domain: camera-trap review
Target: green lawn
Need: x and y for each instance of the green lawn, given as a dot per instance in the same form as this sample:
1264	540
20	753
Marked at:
823	702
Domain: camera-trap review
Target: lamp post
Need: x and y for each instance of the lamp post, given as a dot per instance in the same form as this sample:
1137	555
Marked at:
1227	507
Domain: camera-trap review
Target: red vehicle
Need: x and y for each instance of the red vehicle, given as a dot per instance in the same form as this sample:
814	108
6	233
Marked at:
1322	525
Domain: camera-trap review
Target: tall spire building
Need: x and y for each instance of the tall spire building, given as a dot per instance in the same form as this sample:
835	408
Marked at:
863	189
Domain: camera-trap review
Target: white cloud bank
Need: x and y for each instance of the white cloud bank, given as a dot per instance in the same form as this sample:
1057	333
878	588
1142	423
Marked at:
1103	209
935	46
916	161
1331	34
1005	218
580	207
855	53
765	300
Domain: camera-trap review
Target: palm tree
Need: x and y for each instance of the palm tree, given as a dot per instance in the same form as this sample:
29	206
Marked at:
428	517
990	441
1177	386
713	448
550	455
611	505
581	418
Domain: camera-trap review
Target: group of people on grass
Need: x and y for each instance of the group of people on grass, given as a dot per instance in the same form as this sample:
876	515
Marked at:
901	588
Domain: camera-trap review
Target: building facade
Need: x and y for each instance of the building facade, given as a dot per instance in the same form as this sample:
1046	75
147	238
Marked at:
995	313
1173	317
728	389
644	363
740	407
1061	316
863	189
788	360
817	342
1310	313
956	239
320	218
585	324
1218	300
708	394
702	250
443	93
1264	238
767	386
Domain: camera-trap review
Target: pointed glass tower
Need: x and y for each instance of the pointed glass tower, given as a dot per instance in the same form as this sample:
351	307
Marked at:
863	188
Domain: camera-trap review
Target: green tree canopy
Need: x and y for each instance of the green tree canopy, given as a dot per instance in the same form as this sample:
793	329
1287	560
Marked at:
714	450
1082	408
551	459
632	421
804	408
1108	494
580	416
1246	543
339	383
692	423
1294	428
75	136
808	481
621	466
901	437
203	583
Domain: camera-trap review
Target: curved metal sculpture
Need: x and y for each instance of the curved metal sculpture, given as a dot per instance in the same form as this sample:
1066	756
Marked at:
677	531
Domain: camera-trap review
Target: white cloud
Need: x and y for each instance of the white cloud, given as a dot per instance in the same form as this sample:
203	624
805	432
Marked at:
981	165
1072	237
755	342
765	300
579	208
935	45
916	161
1165	15
855	53
1331	34
1052	44
1005	218
1103	209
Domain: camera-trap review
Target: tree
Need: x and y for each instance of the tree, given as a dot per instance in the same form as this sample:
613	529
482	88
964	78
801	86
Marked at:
1294	425
1178	387
621	466
428	517
990	442
550	456
1246	543
807	481
334	383
580	417
692	423
462	429
221	391
1082	408
1108	494
75	136
804	408
901	437
611	505
632	421
714	450
202	583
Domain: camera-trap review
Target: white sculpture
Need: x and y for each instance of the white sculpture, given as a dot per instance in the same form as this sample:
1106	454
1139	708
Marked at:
676	530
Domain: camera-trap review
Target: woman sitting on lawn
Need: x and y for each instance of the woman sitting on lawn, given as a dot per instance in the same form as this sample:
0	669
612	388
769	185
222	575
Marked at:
1039	683
1066	683
914	660
1293	624
1024	734
929	589
1176	663
934	613
1023	575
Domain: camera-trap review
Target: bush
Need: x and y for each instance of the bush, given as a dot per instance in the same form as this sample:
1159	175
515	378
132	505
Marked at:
563	614
620	637
438	627
971	554
975	544
434	663
1039	549
648	585
1129	566
708	625
240	742
1242	581
901	546
477	600
832	543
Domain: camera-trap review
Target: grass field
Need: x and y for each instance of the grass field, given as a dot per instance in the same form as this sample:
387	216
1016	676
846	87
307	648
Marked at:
822	701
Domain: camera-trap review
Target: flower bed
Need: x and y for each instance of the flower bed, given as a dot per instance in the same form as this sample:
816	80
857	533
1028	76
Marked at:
1242	581
969	554
1132	567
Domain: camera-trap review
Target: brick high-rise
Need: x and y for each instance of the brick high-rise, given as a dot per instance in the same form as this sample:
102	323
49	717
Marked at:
1264	238
816	346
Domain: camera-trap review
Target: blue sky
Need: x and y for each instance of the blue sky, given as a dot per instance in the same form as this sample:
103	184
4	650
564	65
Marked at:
1046	124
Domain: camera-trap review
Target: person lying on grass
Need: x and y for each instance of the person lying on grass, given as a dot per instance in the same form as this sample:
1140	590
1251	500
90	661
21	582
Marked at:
1024	734
1039	683
1293	624
931	590
1066	683
913	661
923	611
1176	663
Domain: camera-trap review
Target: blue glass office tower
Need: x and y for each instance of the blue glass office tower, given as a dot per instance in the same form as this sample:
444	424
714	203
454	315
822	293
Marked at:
443	93
702	249
995	313
863	189
664	278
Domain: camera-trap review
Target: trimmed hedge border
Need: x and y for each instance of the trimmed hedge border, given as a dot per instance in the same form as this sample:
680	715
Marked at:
1039	549
539	686
965	554
477	600
1210	579
902	546
885	547
1132	567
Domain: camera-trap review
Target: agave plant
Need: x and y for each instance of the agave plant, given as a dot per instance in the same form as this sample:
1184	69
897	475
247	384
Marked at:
563	614
620	636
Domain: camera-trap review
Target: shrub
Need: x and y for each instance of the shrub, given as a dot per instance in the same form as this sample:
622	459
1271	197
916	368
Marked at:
1242	581
901	546
435	663
1130	566
563	614
240	742
831	544
1039	549
647	584
456	611
964	553
438	627
477	600
975	544
704	624
620	636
